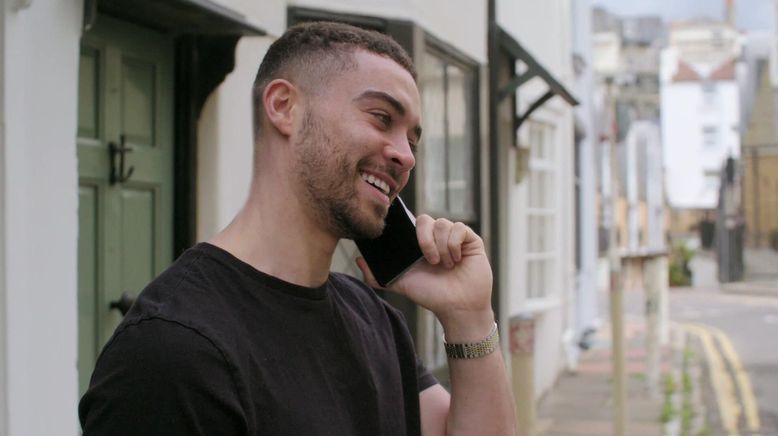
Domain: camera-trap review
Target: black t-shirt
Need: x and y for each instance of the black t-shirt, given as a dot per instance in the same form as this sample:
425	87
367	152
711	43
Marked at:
215	347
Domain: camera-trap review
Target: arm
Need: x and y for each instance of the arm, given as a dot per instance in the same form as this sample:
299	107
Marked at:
456	285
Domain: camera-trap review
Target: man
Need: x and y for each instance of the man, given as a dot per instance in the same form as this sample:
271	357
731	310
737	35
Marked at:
250	334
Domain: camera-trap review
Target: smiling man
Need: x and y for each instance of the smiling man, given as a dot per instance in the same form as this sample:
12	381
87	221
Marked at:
250	333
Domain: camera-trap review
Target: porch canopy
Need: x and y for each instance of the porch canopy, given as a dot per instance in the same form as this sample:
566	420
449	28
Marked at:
516	52
203	17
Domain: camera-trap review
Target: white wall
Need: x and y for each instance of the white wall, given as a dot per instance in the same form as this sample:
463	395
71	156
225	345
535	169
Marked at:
461	23
684	114
582	39
544	29
40	66
225	142
268	15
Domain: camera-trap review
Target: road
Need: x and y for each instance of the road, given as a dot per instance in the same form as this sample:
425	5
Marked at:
738	339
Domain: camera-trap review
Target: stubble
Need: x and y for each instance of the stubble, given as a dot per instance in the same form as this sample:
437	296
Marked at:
328	175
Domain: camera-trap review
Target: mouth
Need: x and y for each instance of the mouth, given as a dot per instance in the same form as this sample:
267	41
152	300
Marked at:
377	183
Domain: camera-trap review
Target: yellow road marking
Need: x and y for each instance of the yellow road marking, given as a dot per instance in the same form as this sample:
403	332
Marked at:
726	397
741	377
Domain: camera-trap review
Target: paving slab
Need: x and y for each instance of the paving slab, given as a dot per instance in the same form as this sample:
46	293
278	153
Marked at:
581	403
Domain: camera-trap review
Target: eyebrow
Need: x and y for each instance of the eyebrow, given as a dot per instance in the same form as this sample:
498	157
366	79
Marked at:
380	95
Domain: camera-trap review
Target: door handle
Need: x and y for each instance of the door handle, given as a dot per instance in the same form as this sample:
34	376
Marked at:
118	175
124	303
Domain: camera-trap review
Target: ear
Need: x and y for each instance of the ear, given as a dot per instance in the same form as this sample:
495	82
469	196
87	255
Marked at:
278	101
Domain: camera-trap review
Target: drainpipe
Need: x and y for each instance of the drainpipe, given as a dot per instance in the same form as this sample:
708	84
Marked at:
494	158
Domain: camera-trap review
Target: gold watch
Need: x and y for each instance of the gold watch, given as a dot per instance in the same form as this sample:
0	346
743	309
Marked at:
474	350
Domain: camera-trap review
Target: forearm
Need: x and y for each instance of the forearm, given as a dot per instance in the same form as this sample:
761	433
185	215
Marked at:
481	398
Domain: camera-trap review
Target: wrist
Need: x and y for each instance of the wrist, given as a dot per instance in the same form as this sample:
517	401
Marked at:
463	327
474	350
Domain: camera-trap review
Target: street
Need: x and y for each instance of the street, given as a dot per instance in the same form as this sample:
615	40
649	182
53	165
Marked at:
736	335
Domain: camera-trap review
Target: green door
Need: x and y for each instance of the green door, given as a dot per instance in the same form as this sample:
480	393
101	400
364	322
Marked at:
125	168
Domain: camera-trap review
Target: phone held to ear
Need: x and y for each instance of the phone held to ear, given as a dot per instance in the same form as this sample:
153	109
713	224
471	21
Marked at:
396	250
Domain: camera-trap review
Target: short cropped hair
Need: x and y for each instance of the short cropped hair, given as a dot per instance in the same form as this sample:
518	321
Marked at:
308	54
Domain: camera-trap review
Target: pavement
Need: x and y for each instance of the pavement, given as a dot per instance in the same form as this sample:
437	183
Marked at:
761	274
581	403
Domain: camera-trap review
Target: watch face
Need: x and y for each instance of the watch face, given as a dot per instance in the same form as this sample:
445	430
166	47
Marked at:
396	250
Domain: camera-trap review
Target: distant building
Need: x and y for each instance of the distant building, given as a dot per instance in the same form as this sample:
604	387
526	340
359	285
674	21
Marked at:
626	60
700	115
760	163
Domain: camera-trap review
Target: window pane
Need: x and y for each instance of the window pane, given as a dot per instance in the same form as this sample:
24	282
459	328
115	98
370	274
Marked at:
539	233
432	147
460	134
541	189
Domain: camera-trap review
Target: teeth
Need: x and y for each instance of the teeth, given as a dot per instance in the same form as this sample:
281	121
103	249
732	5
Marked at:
378	183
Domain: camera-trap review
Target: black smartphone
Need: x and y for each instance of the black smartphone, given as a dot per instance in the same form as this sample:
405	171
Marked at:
397	249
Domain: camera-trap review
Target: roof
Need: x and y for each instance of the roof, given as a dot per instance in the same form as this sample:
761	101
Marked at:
686	73
725	71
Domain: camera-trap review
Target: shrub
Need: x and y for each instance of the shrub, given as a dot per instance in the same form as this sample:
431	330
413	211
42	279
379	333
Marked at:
680	274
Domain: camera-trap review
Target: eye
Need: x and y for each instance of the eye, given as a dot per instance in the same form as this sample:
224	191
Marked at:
414	147
383	118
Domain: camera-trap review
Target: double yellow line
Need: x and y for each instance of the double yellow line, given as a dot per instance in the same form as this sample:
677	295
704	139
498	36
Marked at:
725	385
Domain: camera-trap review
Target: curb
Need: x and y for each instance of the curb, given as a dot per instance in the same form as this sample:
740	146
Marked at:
758	289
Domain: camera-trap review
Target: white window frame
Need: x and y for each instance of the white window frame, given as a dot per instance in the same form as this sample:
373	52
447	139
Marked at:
546	294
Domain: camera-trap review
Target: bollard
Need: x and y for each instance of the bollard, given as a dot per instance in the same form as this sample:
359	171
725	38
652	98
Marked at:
522	346
663	310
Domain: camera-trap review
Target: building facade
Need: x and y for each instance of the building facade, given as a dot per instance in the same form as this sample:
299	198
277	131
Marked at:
700	100
759	165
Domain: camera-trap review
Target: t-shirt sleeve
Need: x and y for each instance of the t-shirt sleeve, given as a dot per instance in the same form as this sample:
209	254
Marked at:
158	377
424	378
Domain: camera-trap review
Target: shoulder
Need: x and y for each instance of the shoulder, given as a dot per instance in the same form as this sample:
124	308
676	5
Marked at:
168	350
160	374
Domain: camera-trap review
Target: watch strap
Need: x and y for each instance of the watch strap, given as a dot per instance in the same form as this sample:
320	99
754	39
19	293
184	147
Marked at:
474	350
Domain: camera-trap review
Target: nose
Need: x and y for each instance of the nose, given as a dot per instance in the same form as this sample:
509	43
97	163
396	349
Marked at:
400	153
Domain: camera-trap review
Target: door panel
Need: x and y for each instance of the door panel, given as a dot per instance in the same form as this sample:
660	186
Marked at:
125	234
137	251
138	97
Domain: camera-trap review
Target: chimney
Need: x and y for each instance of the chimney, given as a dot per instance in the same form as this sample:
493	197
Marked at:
729	12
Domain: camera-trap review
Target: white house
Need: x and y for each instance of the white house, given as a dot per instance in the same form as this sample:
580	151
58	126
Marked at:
700	107
541	281
125	136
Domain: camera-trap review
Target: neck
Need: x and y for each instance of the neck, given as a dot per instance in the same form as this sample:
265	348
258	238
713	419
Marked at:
275	234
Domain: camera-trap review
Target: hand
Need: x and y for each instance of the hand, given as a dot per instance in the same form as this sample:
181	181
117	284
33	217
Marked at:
454	280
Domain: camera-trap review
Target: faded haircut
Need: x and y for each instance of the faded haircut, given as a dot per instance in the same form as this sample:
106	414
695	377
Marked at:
308	54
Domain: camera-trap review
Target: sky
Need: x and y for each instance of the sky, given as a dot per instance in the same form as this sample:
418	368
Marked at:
749	14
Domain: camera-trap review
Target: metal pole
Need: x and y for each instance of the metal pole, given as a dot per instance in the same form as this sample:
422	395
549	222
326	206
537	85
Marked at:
522	345
651	277
616	294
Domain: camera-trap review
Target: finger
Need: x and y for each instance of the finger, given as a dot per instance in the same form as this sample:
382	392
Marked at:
458	236
424	234
442	233
369	277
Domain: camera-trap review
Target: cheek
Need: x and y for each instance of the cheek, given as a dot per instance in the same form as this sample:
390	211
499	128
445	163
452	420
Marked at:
404	180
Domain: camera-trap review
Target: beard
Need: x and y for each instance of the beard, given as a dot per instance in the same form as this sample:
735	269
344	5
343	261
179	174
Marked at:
328	179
